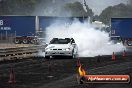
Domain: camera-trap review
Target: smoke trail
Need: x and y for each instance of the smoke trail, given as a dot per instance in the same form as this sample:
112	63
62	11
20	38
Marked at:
91	42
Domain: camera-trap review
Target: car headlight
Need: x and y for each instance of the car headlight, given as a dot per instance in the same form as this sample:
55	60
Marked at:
47	49
67	49
118	43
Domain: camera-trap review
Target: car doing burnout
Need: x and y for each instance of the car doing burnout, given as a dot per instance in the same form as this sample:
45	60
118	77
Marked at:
61	47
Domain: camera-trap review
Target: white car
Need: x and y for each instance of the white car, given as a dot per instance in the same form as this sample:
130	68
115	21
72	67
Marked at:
61	47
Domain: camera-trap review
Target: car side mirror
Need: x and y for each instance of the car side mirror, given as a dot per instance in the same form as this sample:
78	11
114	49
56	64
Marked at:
73	43
47	43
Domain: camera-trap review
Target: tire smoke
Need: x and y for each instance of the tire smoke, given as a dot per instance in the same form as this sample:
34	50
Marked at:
91	42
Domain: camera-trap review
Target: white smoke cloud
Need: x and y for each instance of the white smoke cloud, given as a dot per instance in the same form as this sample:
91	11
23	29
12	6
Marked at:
98	6
91	42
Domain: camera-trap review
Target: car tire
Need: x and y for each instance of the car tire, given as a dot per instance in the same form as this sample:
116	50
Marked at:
25	41
73	55
32	41
17	41
129	43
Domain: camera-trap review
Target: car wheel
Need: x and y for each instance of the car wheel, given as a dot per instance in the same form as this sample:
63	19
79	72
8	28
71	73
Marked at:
129	43
17	41
32	41
73	55
25	41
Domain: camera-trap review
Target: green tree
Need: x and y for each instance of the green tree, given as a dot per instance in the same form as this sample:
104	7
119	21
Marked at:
76	9
17	7
120	10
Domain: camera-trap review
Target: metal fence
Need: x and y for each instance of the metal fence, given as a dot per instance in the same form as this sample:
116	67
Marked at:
6	37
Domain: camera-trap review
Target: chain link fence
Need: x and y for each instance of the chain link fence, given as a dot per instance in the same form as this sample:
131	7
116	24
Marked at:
7	38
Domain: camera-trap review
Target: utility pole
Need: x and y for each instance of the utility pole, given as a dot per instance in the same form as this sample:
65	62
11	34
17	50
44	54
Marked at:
87	10
86	6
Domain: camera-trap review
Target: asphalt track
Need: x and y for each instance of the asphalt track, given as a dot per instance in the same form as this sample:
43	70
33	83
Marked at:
71	82
38	72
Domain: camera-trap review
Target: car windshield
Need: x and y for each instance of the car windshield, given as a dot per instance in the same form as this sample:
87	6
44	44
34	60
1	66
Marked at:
60	41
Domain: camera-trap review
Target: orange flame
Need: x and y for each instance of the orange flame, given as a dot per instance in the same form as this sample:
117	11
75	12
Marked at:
81	71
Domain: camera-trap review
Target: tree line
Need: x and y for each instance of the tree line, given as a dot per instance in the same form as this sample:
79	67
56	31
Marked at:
76	9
